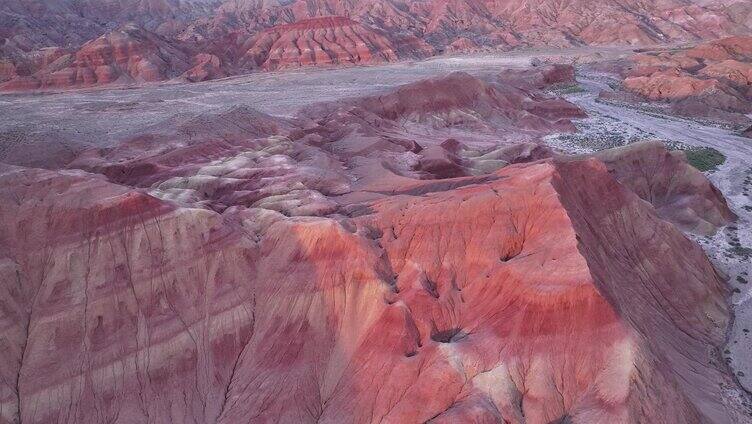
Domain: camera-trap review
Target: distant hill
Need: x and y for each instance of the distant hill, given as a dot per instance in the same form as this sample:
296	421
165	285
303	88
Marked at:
236	36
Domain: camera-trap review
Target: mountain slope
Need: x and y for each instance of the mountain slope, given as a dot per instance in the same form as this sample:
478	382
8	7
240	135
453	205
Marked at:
354	264
242	35
453	306
128	54
326	41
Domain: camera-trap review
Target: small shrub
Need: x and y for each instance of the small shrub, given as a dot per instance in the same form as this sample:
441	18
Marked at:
705	158
744	252
571	89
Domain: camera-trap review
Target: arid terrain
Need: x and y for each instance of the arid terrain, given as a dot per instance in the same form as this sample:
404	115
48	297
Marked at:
262	246
104	117
54	44
526	212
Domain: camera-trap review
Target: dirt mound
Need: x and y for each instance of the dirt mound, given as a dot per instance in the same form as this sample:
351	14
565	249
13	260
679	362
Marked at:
680	193
460	99
736	48
205	67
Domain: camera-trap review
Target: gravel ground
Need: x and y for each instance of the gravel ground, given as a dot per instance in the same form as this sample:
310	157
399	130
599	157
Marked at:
74	120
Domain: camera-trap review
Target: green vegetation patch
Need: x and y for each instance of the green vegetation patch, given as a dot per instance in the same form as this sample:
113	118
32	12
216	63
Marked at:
740	251
705	158
570	89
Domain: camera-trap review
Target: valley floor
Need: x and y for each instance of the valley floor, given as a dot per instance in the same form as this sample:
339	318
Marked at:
100	117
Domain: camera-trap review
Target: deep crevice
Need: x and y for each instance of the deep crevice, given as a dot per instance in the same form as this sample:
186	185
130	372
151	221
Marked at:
448	336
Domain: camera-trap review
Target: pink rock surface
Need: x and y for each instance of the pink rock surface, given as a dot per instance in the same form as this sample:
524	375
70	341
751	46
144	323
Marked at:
328	40
7	70
499	301
352	264
671	85
126	55
734	71
680	193
462	44
728	48
461	100
205	67
710	80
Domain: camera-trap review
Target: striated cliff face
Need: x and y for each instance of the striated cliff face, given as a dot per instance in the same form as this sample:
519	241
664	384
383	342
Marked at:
510	23
329	40
352	264
129	54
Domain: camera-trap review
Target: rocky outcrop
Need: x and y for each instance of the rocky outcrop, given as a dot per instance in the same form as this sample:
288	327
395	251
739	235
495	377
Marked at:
670	85
462	44
733	71
205	67
244	158
461	100
725	49
541	77
33	24
7	70
355	264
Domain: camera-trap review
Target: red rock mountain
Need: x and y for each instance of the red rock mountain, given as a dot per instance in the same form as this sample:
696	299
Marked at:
495	302
129	54
460	100
518	21
329	40
351	264
233	36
